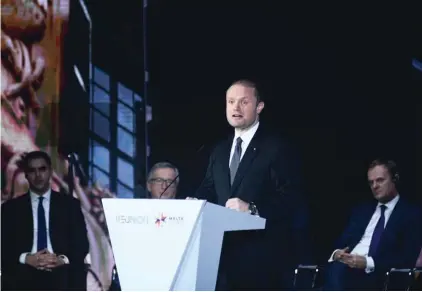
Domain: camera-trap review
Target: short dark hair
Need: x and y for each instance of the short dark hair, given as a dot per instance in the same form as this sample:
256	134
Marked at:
389	164
160	165
35	155
250	84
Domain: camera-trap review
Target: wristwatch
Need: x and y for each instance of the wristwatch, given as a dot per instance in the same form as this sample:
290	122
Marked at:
252	209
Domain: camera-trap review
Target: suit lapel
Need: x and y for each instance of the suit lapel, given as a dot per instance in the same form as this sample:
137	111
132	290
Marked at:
395	216
248	158
390	231
364	218
28	221
224	171
53	217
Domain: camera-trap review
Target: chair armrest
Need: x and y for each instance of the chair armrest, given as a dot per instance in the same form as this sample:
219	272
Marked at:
398	279
308	267
308	280
393	270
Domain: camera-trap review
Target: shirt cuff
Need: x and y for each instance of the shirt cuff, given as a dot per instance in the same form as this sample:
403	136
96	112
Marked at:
331	259
64	258
370	265
22	257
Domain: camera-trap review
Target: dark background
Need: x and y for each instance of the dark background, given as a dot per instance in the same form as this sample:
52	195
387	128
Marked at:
337	80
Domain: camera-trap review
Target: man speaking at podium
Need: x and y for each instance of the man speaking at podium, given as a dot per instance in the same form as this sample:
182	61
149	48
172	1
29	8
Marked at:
254	171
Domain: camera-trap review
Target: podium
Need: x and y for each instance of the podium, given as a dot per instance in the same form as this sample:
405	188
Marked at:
170	244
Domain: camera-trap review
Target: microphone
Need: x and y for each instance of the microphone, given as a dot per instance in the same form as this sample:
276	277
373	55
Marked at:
74	164
169	185
177	176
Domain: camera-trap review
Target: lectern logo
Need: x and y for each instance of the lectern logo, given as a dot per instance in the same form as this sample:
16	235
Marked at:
124	219
160	220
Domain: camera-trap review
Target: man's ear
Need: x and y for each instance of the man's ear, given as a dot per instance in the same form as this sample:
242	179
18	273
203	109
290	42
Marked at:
260	107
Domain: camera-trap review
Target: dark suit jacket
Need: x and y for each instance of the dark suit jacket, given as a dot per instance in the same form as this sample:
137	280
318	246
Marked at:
269	176
67	231
401	240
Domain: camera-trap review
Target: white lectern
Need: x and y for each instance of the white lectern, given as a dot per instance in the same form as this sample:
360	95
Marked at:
170	244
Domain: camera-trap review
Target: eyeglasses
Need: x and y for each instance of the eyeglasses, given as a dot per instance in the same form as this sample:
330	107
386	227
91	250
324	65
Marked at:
161	181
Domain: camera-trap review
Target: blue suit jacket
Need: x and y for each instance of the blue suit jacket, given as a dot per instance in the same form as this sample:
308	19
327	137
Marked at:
401	240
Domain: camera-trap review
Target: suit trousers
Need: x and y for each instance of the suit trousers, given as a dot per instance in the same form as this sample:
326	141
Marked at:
339	277
27	278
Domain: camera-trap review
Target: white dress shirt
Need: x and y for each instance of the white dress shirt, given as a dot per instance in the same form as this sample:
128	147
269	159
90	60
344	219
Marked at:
362	248
46	205
246	139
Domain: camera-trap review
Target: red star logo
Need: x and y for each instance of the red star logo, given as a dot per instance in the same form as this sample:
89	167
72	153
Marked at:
160	220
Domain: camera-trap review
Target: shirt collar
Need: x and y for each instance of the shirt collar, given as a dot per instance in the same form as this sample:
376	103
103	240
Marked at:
46	195
391	204
248	134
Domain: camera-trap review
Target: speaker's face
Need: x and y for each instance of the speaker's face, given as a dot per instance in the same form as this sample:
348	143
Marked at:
242	109
381	183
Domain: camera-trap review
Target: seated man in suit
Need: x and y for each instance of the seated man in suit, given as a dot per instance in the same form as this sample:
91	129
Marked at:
381	235
163	180
43	233
162	183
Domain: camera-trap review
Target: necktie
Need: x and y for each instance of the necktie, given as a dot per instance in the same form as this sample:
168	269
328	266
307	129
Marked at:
234	165
376	236
42	226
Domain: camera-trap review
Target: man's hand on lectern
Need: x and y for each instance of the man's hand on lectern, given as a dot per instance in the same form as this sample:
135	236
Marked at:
191	198
237	204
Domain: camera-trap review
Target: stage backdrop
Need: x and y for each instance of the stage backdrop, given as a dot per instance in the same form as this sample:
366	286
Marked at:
32	75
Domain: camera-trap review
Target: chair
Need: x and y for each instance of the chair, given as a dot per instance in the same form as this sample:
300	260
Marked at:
398	280
306	278
417	280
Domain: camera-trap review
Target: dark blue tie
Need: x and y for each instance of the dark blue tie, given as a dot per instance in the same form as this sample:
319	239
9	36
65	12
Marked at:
42	226
379	228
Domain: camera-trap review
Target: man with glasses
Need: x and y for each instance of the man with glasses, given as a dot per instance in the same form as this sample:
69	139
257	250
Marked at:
163	180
